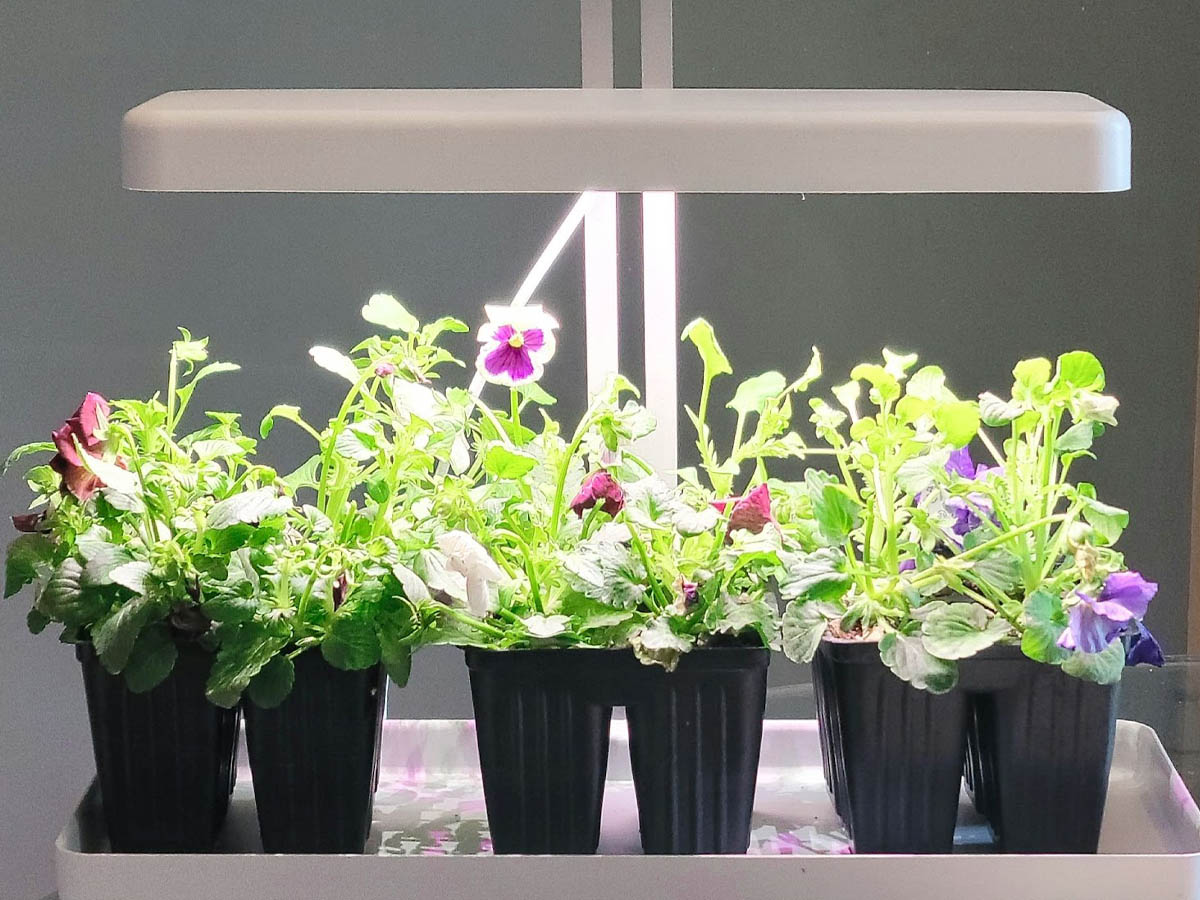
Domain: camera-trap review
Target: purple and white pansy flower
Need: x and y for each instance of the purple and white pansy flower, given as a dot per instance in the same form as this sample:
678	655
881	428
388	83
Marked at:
515	344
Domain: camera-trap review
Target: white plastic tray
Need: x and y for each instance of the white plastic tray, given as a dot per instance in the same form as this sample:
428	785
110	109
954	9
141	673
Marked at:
430	839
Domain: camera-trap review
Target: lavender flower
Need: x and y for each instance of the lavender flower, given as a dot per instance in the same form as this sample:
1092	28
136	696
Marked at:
967	509
516	344
1095	622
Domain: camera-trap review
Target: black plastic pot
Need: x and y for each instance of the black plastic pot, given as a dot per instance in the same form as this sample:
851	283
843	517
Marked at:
894	753
542	720
1040	748
315	759
164	758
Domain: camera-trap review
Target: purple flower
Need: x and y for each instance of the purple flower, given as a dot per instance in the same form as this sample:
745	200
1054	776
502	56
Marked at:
384	369
967	509
341	586
1144	649
516	344
1095	622
80	432
599	488
750	513
908	565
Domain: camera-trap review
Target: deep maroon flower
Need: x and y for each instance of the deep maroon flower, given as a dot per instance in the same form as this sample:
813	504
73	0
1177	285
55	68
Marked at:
340	587
750	513
1144	649
1095	622
30	523
80	432
599	488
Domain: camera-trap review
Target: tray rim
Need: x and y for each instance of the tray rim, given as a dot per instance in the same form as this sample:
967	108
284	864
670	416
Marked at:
370	877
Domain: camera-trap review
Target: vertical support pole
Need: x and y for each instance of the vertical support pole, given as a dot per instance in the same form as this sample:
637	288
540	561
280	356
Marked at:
600	225
659	261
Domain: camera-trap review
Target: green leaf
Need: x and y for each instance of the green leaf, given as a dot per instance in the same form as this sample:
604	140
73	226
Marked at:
700	333
656	643
185	393
101	560
1078	437
1104	667
386	311
394	627
999	568
229	607
834	510
897	364
1044	622
753	394
811	373
886	385
113	476
305	476
996	411
242	655
907	657
957	421
132	575
501	461
804	625
814	576
351	641
434	329
36	621
960	630
847	394
733	615
1031	375
26	554
1081	370
336	362
534	393
26	450
607	571
250	507
151	659
928	383
64	600
1107	521
588	614
273	683
114	636
281	411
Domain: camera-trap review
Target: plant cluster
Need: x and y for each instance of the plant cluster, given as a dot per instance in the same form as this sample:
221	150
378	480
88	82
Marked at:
425	516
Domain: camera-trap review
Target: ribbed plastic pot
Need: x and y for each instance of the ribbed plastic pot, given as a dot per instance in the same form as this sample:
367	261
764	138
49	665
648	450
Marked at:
897	752
542	721
164	758
694	741
1041	746
543	745
315	759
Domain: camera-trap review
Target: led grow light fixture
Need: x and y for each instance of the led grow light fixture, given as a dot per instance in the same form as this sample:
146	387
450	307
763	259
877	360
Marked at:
656	140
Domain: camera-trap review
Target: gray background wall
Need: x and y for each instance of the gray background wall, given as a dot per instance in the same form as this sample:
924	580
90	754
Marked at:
93	280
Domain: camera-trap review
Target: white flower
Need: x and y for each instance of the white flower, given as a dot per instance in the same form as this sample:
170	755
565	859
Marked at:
465	556
516	344
540	626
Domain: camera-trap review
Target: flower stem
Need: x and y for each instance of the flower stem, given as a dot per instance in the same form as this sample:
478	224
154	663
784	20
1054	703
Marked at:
515	415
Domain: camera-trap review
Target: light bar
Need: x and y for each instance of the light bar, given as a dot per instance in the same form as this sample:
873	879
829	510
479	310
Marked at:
567	140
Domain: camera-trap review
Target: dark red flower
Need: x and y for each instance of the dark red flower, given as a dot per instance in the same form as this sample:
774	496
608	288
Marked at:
599	488
80	432
341	586
30	523
750	513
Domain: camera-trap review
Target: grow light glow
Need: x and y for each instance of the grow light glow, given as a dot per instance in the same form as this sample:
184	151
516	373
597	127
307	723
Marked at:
661	331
